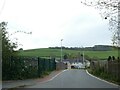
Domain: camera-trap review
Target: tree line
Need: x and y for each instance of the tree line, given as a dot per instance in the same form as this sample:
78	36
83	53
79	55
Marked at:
94	48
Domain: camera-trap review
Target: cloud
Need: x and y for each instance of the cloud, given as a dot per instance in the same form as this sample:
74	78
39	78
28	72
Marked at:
51	20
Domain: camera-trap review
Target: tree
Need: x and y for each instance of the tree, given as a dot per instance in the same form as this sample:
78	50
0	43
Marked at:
7	49
66	56
109	9
21	49
7	45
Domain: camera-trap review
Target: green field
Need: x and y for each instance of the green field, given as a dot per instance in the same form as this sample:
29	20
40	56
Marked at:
46	52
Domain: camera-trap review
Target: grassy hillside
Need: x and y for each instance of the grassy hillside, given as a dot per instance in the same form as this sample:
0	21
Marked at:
46	52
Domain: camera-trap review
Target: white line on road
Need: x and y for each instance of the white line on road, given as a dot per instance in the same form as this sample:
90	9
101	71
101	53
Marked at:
54	76
57	75
101	79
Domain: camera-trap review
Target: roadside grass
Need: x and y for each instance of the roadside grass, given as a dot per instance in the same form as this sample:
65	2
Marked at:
46	73
46	52
104	75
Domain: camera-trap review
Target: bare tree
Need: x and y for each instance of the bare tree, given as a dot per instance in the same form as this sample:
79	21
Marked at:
109	9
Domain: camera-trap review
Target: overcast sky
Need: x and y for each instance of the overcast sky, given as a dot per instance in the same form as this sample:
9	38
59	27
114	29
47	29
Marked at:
53	20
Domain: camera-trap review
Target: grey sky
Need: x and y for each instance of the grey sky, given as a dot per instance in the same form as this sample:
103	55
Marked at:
53	20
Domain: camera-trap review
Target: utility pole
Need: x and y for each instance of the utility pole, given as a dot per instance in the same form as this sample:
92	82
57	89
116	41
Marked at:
83	56
61	49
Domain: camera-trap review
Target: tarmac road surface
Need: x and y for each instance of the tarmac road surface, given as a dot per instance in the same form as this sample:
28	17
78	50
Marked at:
73	78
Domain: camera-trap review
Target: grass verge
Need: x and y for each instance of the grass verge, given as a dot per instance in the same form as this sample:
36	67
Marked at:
104	75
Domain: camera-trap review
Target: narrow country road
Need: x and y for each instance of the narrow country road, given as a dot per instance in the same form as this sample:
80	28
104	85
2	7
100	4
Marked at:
74	79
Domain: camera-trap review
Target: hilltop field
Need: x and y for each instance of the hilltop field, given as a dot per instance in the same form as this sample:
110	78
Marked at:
47	52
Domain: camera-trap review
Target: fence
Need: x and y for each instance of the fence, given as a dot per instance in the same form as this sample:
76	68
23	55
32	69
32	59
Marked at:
114	68
111	67
61	66
27	67
99	64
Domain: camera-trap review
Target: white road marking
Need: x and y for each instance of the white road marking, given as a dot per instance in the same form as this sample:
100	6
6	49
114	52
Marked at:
54	76
57	75
102	79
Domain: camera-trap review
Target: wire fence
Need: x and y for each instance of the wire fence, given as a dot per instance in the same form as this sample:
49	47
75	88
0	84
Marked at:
27	67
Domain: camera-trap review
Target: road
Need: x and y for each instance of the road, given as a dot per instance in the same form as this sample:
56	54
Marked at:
74	78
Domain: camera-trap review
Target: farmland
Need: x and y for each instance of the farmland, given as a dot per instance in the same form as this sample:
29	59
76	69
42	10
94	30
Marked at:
46	52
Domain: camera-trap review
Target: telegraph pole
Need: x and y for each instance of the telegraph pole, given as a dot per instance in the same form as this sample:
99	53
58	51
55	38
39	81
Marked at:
61	49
